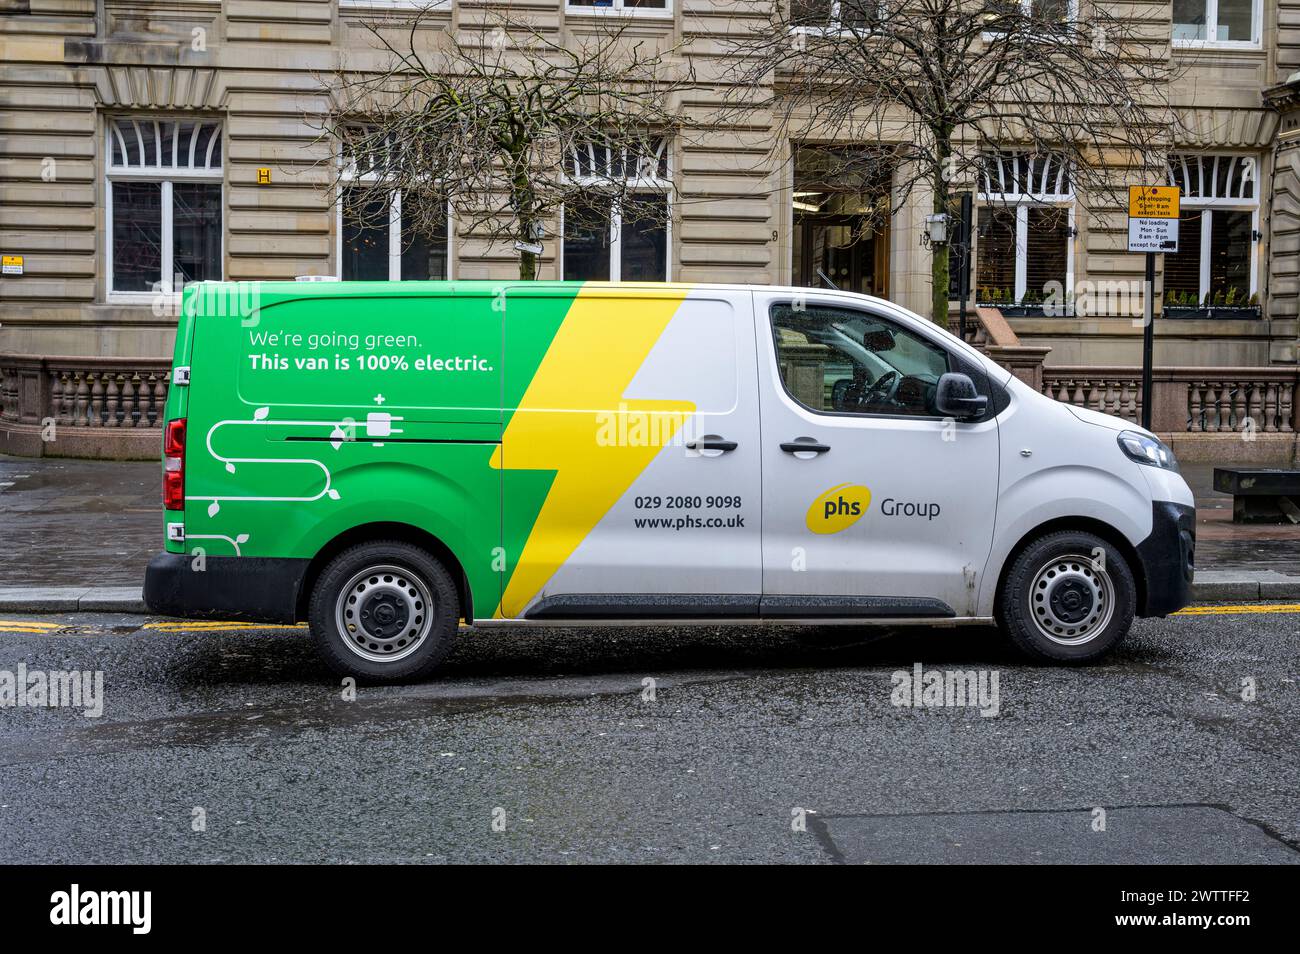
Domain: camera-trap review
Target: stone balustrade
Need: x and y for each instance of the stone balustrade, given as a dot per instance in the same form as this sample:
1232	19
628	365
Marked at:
1185	400
52	406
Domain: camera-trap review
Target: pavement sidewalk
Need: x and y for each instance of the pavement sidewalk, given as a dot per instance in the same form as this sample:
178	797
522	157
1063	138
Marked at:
76	535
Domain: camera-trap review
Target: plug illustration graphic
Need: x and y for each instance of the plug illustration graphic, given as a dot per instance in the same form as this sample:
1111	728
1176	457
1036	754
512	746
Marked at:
380	424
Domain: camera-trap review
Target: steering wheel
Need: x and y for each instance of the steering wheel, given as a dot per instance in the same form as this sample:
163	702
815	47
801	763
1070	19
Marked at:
882	389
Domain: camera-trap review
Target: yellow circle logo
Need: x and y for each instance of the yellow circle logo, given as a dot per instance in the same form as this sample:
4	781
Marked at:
838	508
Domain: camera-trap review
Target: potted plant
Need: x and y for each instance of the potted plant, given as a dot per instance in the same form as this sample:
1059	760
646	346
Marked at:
1225	304
1015	308
1033	304
1237	306
1183	304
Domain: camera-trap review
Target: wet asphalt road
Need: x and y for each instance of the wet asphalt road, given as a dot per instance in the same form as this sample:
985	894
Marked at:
548	734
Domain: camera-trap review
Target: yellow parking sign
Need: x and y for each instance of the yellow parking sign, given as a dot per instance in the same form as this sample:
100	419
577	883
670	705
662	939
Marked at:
1153	202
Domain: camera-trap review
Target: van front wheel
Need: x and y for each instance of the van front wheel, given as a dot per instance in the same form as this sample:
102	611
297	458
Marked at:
384	612
1069	597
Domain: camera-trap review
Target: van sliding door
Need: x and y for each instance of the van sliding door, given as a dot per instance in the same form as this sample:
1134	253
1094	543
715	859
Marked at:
630	454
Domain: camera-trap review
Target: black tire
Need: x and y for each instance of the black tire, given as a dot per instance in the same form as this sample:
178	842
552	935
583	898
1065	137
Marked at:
411	607
1069	597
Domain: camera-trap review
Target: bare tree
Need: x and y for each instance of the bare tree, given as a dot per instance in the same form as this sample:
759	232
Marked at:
505	124
939	85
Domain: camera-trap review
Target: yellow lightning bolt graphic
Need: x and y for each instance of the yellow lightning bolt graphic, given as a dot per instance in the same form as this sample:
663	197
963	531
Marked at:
566	418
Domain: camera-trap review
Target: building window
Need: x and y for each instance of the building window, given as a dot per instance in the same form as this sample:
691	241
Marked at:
389	235
1217	22
379	240
1028	16
651	7
1216	259
1052	11
832	15
1025	230
623	238
164	204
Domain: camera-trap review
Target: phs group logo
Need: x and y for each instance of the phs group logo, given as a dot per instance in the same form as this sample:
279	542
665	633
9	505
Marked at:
838	508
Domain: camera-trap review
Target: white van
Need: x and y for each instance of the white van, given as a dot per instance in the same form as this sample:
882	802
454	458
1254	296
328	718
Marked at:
384	460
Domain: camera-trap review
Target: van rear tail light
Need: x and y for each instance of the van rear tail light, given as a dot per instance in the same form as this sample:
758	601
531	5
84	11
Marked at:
174	465
174	438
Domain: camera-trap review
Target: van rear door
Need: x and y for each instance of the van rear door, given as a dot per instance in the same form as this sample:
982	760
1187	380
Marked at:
317	409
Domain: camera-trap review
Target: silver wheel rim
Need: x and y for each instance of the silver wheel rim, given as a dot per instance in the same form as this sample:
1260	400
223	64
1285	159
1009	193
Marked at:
1072	600
384	613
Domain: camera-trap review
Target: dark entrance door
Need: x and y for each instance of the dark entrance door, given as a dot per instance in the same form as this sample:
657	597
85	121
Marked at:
845	250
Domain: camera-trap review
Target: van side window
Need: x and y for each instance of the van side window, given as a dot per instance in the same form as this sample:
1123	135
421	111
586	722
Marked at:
841	361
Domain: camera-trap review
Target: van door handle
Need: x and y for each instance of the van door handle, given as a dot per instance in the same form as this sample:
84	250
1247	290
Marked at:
711	444
805	445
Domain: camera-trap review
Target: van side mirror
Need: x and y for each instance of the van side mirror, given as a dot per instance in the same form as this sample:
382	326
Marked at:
955	396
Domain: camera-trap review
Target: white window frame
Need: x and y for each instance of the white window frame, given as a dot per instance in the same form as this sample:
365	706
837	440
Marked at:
651	184
1206	165
1022	202
395	4
166	176
1212	28
616	8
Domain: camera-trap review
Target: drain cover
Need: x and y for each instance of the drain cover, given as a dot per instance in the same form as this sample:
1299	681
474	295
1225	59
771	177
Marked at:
1173	835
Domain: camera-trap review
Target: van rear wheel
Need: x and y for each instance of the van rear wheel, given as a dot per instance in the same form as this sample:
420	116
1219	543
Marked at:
1069	598
384	612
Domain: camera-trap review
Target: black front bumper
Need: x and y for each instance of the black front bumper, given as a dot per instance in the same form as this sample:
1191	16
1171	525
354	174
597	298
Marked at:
257	589
1168	557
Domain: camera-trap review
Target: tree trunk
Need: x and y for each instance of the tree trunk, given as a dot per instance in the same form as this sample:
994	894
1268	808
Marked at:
524	201
939	251
939	277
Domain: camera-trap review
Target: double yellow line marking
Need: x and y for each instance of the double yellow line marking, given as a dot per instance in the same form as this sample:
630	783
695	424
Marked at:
169	626
212	626
1239	609
27	626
